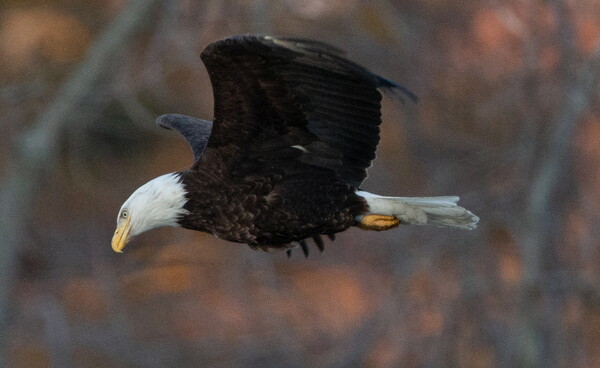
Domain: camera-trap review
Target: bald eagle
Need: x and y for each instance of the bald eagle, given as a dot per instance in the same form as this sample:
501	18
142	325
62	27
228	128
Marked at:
295	129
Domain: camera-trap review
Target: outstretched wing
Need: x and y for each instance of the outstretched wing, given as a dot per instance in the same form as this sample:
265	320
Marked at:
303	91
195	131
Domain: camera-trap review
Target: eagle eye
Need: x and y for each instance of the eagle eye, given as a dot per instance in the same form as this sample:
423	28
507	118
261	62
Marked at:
124	214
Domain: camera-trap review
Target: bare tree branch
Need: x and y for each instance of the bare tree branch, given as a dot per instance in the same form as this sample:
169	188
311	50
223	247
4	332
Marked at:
35	150
553	168
544	208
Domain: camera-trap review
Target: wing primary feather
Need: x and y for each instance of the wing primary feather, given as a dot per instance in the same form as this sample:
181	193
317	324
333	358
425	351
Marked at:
393	88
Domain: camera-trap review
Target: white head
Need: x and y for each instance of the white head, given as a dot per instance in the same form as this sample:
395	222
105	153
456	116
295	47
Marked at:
157	203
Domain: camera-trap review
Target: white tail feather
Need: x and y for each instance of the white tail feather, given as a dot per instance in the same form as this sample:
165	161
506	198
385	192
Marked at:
439	211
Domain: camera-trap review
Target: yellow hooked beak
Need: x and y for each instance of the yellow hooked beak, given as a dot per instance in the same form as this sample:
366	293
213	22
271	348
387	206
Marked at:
121	236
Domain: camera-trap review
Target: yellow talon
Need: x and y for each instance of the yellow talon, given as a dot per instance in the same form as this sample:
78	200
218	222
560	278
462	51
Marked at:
378	222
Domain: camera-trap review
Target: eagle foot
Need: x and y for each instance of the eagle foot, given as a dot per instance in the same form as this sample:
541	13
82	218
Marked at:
378	222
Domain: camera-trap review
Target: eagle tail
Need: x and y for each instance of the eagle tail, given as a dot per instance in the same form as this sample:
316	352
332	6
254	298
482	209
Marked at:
388	212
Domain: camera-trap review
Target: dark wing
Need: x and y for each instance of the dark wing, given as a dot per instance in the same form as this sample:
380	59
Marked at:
296	88
195	131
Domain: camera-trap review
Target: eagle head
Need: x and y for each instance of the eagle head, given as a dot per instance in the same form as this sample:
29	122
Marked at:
159	202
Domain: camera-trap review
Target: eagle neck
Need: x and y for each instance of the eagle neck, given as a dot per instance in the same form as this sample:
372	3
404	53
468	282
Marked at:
201	200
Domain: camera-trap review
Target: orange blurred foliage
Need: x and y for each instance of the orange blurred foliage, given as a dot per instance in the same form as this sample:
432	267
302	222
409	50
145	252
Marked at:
30	356
41	32
489	78
85	298
142	285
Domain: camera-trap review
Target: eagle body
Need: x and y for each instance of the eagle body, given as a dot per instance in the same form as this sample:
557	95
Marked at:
295	128
272	210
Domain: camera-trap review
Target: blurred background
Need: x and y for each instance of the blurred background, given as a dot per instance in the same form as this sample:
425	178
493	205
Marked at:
508	119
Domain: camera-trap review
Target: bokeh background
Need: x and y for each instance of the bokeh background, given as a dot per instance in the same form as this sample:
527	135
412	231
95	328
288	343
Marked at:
508	119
